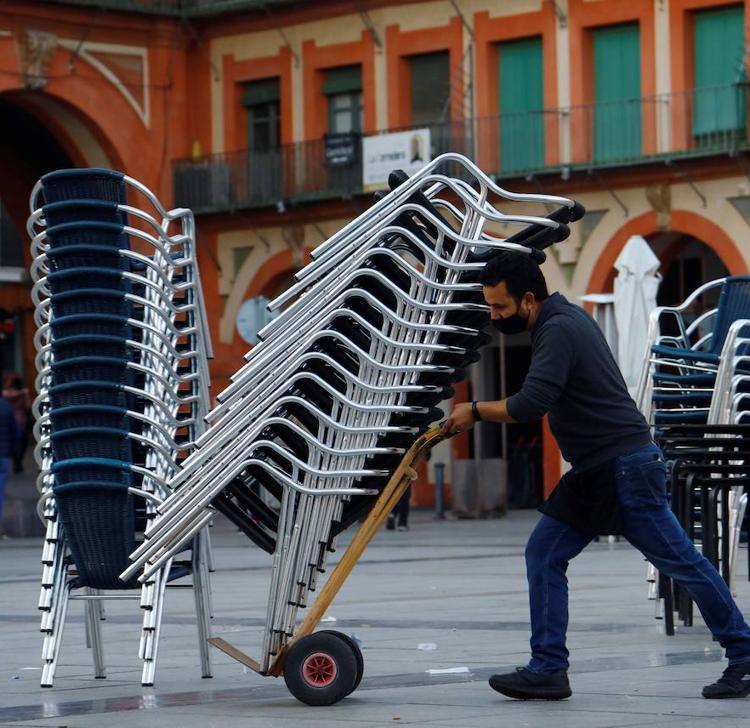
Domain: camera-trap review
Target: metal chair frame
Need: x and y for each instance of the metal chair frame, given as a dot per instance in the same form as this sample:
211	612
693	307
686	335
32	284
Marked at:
371	390
169	272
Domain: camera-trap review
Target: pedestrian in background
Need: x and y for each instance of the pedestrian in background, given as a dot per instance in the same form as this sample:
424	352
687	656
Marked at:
10	440
399	516
17	395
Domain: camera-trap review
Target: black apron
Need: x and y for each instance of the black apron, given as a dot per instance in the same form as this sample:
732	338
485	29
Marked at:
587	501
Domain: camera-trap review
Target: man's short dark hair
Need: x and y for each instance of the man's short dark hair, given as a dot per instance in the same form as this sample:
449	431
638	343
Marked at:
520	272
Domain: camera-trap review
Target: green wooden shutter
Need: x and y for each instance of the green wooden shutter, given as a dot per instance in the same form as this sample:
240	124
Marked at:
342	80
617	91
430	88
718	42
261	92
521	105
343	87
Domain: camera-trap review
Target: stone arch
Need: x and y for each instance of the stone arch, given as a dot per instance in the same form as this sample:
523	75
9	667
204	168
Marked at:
71	138
108	102
274	270
257	276
682	221
83	139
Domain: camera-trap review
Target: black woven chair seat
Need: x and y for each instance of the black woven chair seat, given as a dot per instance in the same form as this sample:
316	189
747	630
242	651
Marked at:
85	256
97	324
91	442
99	523
93	235
113	305
696	417
81	471
74	279
90	345
89	392
92	416
91	368
57	213
84	184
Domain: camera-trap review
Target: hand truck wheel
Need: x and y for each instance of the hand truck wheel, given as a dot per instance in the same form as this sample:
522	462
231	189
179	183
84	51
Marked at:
320	669
355	649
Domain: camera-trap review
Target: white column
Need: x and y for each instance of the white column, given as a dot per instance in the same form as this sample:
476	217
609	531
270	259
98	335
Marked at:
562	43
663	75
298	99
381	84
217	99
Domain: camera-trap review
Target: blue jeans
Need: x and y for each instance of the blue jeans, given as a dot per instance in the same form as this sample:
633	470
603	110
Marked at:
4	472
651	526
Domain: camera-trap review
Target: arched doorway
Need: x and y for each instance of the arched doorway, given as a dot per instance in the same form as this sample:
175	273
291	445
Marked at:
695	250
687	263
29	150
601	275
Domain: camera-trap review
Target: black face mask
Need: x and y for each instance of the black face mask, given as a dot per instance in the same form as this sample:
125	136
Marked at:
510	324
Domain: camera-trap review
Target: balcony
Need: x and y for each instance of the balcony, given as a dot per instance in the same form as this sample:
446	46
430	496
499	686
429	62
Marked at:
648	130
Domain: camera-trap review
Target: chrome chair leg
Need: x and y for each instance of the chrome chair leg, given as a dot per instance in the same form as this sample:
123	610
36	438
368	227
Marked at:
52	641
94	632
152	627
201	594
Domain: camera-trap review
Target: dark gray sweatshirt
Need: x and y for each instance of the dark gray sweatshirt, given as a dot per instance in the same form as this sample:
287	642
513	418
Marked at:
574	377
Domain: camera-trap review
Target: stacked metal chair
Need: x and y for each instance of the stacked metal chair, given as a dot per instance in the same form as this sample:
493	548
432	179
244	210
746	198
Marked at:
695	391
678	379
123	379
375	330
730	406
709	475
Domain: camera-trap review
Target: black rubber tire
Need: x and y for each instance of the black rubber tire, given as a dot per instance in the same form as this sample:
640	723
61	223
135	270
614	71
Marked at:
338	652
355	649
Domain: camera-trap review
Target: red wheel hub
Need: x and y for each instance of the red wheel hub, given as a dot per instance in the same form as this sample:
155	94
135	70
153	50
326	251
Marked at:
319	670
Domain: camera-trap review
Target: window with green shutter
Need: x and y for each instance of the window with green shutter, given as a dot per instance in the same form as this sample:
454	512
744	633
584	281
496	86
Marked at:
343	87
718	43
617	92
430	88
262	99
431	96
521	97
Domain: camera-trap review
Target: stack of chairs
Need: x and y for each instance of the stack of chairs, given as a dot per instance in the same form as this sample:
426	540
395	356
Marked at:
375	331
678	380
695	391
122	359
709	468
731	406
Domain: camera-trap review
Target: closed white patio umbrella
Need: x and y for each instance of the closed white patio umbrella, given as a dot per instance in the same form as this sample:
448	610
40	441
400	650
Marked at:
635	297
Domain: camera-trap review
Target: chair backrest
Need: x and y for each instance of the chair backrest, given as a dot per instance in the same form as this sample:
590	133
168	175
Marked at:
92	454
92	183
734	304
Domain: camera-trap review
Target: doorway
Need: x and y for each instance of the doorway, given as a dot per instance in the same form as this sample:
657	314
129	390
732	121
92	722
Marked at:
30	150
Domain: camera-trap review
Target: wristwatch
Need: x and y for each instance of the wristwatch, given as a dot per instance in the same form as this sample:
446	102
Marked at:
475	412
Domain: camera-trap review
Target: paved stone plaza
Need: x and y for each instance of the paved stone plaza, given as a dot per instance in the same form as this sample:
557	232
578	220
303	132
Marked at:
458	585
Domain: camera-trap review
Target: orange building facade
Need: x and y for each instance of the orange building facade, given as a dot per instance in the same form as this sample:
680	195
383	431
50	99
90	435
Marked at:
234	111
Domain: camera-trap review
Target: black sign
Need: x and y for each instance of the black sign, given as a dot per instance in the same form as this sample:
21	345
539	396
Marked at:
342	150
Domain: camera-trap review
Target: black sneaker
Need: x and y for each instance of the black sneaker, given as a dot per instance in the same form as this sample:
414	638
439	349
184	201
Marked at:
526	685
390	524
733	683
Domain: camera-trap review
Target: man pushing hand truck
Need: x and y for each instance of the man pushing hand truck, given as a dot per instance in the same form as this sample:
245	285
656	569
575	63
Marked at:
617	483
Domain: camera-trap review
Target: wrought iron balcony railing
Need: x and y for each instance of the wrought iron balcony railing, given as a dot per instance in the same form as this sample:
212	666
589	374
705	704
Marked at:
704	121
